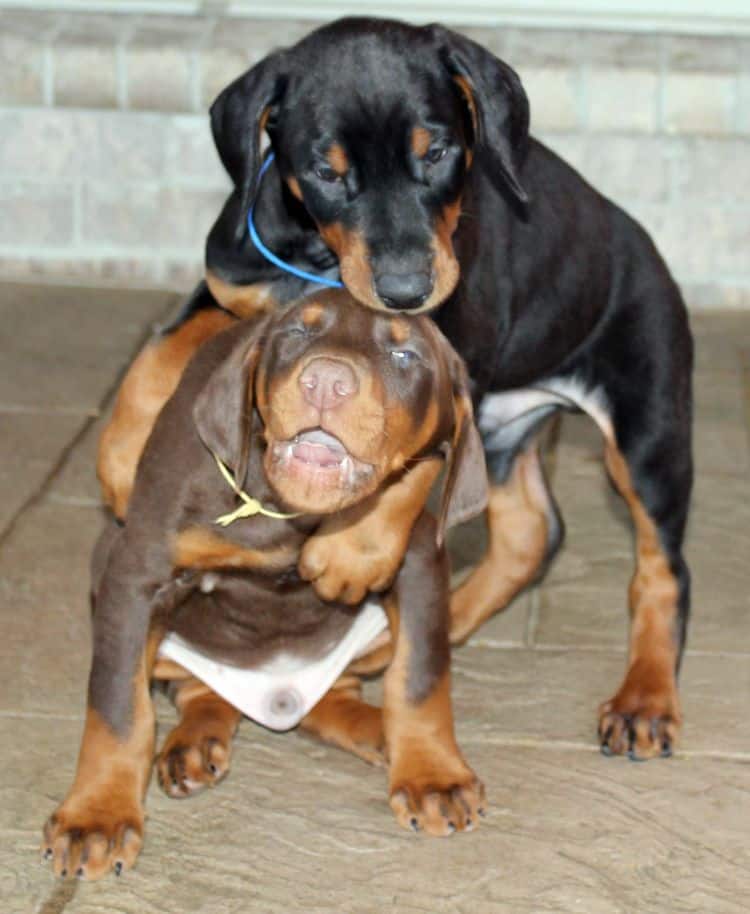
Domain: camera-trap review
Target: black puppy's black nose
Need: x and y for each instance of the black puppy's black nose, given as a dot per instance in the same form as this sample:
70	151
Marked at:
403	291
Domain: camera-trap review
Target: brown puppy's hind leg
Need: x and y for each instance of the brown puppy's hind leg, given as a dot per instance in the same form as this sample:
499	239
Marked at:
343	719
197	752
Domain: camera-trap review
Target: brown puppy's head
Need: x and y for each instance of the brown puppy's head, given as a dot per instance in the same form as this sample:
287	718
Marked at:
375	125
347	397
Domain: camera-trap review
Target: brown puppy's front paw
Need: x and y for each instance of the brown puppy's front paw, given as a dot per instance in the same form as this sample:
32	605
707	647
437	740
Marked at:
640	721
87	838
345	568
186	766
439	810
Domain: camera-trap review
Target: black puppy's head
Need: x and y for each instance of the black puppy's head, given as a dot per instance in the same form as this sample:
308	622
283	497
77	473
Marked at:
375	125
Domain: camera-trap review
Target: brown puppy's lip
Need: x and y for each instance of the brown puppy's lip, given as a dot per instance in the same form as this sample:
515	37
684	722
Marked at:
317	451
318	448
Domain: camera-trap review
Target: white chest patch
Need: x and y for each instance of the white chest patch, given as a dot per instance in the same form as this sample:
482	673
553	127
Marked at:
281	692
505	417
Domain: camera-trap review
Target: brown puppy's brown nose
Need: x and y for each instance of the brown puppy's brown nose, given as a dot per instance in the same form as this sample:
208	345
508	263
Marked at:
327	383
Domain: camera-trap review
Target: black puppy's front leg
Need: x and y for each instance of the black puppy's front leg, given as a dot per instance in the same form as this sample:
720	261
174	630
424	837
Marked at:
99	825
431	786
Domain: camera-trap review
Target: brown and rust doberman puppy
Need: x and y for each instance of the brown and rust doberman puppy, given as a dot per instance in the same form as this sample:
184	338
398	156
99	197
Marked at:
317	408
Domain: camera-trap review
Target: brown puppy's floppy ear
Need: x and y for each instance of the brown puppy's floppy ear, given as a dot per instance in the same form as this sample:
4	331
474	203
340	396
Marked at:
497	103
223	410
465	490
238	118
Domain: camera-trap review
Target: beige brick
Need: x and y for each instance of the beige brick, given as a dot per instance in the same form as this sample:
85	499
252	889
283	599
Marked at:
554	97
743	102
699	102
36	213
21	70
622	100
630	50
218	68
64	144
146	215
627	167
701	242
85	76
159	79
237	45
715	169
160	61
186	215
569	146
190	152
120	214
702	53
85	267
717	295
541	48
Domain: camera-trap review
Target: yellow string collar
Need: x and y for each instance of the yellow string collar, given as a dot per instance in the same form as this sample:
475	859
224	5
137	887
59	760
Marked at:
251	505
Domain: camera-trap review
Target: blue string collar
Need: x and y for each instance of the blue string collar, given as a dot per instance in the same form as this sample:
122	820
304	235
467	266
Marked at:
269	255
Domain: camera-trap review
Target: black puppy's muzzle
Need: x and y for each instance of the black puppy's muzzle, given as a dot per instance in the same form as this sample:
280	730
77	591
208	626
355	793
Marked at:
403	291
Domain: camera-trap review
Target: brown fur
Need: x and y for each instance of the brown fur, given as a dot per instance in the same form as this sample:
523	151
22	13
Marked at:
517	518
147	386
238	398
647	700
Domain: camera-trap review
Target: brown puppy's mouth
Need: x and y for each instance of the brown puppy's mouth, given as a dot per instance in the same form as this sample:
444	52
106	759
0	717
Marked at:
317	448
313	465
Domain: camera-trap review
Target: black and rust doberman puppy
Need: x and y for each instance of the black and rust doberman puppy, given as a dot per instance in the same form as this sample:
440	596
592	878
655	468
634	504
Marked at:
405	153
319	407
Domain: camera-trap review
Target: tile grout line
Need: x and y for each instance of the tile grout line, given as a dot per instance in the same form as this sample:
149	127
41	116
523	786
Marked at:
37	496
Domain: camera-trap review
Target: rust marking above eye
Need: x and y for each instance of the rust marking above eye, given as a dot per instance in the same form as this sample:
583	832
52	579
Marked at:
420	141
311	314
400	330
337	159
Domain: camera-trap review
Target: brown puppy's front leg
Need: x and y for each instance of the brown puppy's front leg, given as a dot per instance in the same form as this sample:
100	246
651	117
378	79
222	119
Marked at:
359	549
431	786
99	825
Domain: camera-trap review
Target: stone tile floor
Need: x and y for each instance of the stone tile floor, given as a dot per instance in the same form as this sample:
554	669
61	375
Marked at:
298	827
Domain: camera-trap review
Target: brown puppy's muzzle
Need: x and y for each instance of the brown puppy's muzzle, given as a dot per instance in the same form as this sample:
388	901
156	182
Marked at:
325	428
328	383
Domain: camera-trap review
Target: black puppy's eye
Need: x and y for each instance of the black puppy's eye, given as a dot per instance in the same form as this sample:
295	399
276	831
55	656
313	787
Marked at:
404	358
434	154
326	173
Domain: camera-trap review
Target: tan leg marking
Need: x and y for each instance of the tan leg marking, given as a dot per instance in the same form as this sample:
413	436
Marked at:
644	715
99	825
361	548
198	547
517	518
196	754
343	719
431	786
149	383
243	301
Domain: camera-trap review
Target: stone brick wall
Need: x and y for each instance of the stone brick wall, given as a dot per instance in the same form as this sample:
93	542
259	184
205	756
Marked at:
108	173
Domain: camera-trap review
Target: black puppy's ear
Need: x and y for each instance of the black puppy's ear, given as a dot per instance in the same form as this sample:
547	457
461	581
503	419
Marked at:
465	490
497	103
223	410
238	118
